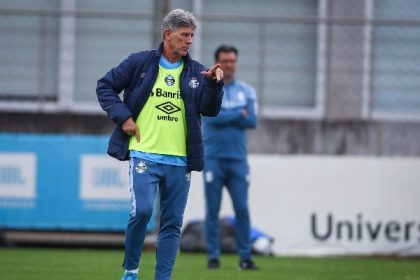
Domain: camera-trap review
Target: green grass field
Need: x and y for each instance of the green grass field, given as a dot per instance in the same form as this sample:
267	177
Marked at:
77	264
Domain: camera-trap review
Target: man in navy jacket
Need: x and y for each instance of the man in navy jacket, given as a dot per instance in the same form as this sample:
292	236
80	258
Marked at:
158	128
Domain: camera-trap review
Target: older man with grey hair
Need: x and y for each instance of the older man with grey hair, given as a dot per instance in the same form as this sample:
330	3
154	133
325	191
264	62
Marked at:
158	129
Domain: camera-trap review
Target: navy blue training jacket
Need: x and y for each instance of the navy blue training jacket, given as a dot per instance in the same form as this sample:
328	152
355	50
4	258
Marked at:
136	75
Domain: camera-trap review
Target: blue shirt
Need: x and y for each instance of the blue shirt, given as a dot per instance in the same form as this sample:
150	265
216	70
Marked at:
225	135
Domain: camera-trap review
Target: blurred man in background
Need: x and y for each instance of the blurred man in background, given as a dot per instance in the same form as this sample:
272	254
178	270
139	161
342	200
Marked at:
158	129
225	142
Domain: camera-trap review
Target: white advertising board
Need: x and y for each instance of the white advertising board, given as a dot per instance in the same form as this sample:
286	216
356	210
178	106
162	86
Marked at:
330	205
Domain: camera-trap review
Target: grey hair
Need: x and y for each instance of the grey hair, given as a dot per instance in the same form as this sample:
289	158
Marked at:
178	18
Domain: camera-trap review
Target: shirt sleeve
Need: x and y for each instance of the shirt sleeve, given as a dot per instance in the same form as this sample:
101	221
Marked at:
252	107
225	117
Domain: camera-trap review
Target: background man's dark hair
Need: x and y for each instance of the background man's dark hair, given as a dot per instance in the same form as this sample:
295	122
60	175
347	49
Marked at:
224	48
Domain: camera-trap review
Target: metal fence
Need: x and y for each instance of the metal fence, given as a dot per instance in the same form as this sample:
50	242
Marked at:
332	59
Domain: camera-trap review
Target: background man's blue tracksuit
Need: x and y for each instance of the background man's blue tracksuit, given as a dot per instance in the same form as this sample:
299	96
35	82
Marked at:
225	143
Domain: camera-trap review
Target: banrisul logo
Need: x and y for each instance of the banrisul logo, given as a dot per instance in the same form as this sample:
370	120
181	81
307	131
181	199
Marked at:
169	80
17	175
102	178
168	107
168	94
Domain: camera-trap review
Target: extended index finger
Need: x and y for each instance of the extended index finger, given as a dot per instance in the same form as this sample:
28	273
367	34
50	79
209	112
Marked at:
137	132
214	67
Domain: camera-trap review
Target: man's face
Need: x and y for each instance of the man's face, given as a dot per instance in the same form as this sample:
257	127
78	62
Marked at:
227	61
179	40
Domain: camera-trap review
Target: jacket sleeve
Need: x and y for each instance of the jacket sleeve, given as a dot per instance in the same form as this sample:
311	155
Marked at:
110	86
211	96
252	107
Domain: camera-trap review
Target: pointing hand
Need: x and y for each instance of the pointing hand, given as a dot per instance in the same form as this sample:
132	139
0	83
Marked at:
215	73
